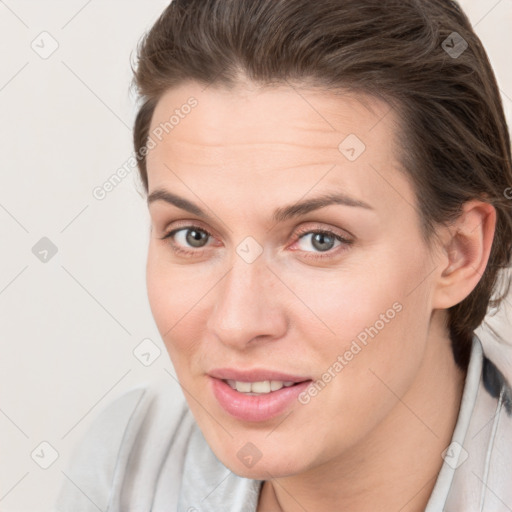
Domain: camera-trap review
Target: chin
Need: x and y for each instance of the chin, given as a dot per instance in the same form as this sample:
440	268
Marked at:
247	460
264	470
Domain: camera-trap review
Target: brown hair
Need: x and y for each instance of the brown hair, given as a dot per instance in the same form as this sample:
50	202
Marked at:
412	53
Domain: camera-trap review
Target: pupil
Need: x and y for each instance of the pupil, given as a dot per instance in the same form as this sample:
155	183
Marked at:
321	239
195	237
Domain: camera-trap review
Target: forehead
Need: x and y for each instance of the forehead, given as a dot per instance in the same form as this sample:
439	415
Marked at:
249	137
251	114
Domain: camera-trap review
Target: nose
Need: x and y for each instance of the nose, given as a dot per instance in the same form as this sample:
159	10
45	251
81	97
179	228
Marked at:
247	306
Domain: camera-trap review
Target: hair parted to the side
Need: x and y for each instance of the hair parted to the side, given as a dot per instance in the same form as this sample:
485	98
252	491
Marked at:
455	140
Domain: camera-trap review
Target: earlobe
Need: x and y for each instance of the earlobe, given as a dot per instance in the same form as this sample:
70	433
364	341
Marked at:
467	247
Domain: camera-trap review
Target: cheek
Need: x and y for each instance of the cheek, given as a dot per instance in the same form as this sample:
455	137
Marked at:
179	297
379	319
360	302
169	296
160	296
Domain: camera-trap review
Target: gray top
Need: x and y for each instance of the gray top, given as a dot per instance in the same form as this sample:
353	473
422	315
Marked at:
144	452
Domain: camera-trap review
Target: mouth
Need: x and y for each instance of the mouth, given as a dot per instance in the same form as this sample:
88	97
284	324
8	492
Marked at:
256	396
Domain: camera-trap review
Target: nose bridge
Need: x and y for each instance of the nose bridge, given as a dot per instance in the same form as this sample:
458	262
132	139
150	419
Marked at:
243	306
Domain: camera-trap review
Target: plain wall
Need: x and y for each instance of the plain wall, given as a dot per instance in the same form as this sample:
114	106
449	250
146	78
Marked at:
70	324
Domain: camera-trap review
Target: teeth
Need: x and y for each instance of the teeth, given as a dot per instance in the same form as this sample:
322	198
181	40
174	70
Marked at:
243	387
261	387
275	385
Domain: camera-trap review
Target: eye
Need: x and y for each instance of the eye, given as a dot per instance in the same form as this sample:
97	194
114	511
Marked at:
190	240
193	236
185	237
322	241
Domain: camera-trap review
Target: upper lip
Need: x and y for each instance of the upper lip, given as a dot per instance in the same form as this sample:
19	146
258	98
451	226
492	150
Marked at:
254	375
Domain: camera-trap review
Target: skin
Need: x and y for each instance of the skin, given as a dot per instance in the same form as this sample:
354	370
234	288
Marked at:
372	439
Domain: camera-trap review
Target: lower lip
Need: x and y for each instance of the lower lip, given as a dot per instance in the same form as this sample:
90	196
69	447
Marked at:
256	407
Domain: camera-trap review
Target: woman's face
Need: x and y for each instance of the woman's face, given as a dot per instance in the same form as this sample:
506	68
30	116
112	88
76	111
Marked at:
261	281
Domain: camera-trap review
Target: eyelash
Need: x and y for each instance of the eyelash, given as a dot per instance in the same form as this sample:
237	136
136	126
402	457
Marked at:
299	234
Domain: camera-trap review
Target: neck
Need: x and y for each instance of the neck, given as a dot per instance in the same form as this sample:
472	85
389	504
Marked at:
396	466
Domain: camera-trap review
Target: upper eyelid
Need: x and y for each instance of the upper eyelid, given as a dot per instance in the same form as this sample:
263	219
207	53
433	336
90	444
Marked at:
330	231
191	224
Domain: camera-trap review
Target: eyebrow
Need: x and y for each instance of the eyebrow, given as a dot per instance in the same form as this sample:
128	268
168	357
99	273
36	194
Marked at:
280	214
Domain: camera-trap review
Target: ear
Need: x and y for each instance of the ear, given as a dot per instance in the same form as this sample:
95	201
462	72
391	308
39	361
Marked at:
466	246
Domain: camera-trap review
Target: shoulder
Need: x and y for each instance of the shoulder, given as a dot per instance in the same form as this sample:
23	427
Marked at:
480	471
120	456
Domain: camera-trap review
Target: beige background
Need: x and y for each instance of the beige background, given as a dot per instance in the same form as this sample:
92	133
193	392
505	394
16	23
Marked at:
69	326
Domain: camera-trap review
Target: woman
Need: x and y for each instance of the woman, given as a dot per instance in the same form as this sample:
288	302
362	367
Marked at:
326	184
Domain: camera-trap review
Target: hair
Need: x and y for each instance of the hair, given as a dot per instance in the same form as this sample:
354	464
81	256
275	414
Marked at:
411	53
